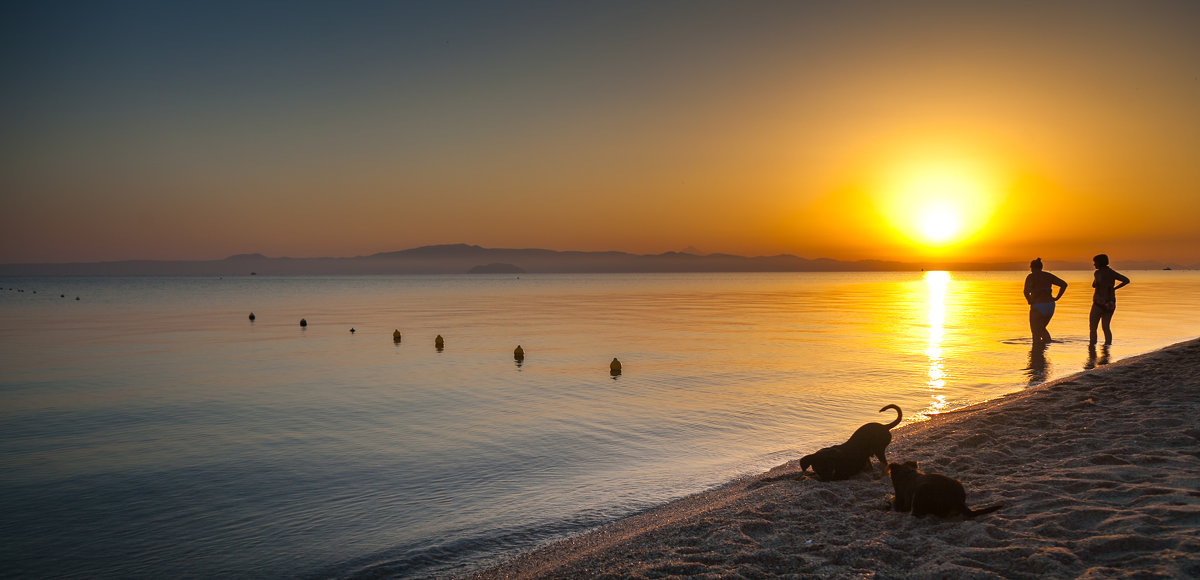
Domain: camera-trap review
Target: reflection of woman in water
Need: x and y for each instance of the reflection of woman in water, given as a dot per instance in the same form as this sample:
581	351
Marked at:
1104	299
1038	293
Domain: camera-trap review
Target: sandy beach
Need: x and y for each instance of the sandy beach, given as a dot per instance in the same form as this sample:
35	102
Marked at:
1099	474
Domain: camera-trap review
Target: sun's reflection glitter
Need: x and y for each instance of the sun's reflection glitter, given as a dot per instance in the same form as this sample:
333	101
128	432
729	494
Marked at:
936	282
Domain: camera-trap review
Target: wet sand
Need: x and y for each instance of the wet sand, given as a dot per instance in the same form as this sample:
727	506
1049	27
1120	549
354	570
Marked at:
1099	474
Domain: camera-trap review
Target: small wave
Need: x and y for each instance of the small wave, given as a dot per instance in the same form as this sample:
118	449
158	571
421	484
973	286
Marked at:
463	555
1028	341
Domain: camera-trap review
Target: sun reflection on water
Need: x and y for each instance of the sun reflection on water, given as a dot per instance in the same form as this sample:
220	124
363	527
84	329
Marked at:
937	282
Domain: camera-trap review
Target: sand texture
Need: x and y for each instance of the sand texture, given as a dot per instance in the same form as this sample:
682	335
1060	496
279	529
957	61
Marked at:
1099	474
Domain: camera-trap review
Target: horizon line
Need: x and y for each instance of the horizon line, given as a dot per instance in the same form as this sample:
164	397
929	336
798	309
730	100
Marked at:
464	251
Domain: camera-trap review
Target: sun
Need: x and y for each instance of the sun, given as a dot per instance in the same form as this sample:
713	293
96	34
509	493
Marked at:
936	205
939	223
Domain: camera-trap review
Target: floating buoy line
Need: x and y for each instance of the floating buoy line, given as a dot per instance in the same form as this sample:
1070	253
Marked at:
615	368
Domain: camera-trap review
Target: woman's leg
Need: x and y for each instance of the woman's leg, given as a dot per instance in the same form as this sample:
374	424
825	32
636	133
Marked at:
1034	325
1093	321
1106	322
1037	326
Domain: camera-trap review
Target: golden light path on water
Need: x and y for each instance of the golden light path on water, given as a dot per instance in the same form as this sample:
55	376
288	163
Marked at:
936	281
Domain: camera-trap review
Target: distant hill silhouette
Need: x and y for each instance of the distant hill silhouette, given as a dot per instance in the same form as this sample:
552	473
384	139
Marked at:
464	258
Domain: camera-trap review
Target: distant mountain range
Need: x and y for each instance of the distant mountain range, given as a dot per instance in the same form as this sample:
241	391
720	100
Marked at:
464	259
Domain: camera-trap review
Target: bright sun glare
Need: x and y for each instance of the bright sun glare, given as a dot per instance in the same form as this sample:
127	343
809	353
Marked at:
936	206
939	223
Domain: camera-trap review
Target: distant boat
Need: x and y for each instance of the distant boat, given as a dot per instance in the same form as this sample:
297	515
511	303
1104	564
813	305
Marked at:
1166	268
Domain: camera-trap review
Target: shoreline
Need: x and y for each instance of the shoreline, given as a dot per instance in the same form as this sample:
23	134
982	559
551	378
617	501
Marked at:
1099	473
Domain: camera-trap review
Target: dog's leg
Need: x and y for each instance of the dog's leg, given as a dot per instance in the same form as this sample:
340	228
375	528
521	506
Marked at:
883	465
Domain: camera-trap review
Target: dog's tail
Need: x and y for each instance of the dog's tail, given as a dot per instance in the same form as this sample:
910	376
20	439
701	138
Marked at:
899	415
987	510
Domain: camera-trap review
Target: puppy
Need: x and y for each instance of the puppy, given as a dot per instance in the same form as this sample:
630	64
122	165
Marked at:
930	493
854	456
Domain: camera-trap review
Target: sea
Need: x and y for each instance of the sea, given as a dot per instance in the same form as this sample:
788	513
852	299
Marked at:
150	429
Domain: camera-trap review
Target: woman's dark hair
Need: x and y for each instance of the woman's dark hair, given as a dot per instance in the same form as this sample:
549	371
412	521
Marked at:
1035	264
1100	260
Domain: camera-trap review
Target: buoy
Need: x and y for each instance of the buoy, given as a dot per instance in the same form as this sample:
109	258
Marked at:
62	295
519	353
77	298
396	335
439	342
252	317
614	367
303	322
351	331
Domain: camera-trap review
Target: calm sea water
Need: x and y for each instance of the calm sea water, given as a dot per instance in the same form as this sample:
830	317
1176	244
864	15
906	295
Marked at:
149	429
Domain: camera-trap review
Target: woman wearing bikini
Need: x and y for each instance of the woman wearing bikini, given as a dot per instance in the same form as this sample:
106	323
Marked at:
1104	299
1039	294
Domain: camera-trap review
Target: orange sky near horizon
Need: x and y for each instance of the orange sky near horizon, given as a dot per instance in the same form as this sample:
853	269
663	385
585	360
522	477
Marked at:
1059	130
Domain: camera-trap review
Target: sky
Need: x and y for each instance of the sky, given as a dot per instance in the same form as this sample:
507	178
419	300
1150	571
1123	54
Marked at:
977	131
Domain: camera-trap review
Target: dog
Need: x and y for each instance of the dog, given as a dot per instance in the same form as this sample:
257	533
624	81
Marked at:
930	493
854	456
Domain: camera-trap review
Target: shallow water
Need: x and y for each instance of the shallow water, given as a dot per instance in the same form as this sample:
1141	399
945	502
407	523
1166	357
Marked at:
151	429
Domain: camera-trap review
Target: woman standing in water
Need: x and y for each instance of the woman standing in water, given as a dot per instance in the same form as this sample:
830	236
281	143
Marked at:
1104	299
1038	287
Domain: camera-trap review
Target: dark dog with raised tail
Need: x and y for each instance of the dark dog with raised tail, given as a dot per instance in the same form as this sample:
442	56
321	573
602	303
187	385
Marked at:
854	456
